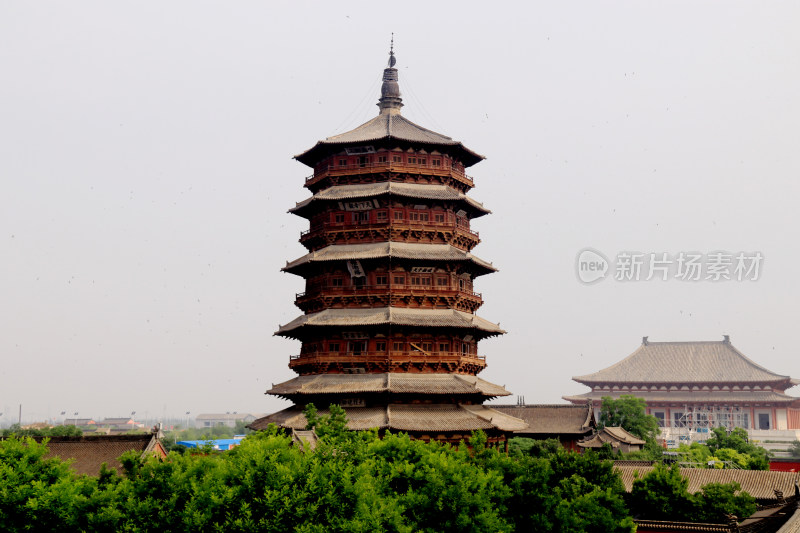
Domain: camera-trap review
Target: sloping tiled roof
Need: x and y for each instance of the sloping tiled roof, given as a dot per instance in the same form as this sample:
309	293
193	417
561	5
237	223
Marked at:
401	417
388	382
377	250
435	318
390	126
683	362
408	190
555	419
611	435
793	524
760	484
89	452
688	396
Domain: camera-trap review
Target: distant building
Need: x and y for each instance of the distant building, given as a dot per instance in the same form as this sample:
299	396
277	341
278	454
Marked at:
210	420
79	422
691	387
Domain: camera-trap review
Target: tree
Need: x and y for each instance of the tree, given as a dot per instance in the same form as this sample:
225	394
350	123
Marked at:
794	449
663	495
738	441
630	413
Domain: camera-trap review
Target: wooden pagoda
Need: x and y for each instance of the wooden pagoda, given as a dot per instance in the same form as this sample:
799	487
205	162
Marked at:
388	329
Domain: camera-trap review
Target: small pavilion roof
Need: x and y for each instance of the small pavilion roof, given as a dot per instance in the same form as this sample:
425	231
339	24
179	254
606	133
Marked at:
426	418
393	382
399	316
377	250
408	190
684	362
552	419
613	435
387	127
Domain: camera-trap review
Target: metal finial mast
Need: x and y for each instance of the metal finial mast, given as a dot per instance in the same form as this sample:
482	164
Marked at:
392	59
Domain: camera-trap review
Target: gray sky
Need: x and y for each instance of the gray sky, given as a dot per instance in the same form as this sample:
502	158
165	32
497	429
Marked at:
146	169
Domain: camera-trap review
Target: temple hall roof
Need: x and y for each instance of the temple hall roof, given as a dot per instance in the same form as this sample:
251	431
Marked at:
684	362
400	316
401	250
409	190
552	419
427	418
688	396
391	382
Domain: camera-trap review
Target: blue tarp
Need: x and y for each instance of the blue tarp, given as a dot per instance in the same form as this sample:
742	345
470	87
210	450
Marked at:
217	444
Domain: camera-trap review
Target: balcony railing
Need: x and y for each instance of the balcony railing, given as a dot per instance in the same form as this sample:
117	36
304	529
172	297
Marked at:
393	356
382	290
367	168
395	224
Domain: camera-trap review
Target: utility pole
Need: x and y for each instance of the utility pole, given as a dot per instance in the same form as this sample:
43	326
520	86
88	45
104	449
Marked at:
19	421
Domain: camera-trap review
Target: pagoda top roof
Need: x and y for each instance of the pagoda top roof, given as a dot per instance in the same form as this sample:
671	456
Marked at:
400	250
399	316
388	125
685	362
393	382
409	190
426	418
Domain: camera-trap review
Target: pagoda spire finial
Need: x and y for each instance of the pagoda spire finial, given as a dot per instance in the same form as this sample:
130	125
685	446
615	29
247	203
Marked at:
390	101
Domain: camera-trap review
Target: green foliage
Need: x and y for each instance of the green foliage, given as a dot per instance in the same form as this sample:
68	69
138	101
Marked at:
533	447
794	449
332	425
663	495
755	457
629	412
716	500
353	481
57	431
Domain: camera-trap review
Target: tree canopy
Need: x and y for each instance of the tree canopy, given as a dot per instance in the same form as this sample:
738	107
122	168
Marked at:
630	413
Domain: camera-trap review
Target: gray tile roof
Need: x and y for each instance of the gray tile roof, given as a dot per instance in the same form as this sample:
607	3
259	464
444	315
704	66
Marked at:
388	382
390	126
611	435
90	452
377	250
556	419
408	190
688	396
378	316
684	362
760	484
427	418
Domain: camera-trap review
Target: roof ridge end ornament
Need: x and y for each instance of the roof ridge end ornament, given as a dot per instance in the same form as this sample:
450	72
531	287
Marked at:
645	342
390	101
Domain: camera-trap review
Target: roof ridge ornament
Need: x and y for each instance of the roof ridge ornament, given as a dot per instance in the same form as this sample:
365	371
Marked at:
390	101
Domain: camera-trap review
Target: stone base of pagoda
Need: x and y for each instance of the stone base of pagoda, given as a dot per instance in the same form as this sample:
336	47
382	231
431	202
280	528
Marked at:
441	422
